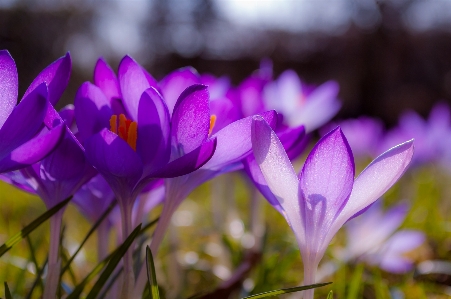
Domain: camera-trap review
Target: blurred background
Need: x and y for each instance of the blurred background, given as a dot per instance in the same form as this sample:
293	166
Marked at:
387	56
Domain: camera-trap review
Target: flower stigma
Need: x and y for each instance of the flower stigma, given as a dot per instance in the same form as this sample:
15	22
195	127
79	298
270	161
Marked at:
212	123
127	129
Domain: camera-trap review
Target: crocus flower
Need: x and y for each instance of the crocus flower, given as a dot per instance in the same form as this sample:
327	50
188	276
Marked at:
53	179
432	145
233	145
300	104
372	237
324	196
134	139
20	143
364	134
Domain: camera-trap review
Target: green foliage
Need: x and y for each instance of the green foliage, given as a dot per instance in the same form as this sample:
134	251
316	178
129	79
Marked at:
151	276
286	291
31	227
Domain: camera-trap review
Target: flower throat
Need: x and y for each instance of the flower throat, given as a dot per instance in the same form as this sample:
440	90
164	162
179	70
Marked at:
127	129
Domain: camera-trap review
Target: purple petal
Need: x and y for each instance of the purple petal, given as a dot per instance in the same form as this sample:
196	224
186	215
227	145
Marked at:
68	114
405	240
225	111
116	161
175	83
396	264
33	150
9	85
25	120
92	110
187	163
191	119
320	107
234	143
56	76
251	96
133	80
277	170
94	197
376	179
253	170
106	80
294	141
153	143
66	161
326	182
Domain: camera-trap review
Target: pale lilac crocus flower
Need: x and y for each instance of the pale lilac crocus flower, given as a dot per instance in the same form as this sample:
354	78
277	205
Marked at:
364	134
325	195
431	135
373	238
300	104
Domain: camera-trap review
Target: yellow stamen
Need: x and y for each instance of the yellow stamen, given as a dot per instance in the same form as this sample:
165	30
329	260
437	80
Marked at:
113	124
132	135
212	123
127	130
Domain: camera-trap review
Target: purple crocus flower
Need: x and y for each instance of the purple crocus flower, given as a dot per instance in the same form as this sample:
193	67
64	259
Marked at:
324	196
233	145
20	143
53	179
132	136
372	238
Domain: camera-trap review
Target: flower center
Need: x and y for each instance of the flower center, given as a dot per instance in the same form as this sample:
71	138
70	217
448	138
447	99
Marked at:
127	129
212	123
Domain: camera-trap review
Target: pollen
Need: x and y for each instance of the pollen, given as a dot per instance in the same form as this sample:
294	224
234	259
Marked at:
212	123
127	129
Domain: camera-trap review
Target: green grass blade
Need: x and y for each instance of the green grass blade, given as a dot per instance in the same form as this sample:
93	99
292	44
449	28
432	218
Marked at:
286	291
35	262
356	281
149	225
151	276
113	263
31	227
7	292
80	287
37	280
330	295
91	231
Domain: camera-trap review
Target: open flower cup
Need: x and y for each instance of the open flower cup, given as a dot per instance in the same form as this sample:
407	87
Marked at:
325	195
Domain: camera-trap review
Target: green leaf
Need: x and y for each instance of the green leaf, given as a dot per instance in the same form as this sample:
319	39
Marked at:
330	295
356	280
288	290
35	262
31	227
91	231
151	276
37	280
7	292
80	287
115	259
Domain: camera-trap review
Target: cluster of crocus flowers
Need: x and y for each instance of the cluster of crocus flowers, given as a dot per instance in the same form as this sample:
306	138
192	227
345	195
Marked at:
128	135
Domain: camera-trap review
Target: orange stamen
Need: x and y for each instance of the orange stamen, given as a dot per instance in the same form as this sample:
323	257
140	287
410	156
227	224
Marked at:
132	135
212	123
113	124
122	127
127	130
